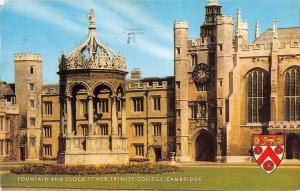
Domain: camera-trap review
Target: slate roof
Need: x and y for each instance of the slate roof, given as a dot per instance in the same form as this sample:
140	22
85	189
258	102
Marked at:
284	34
6	89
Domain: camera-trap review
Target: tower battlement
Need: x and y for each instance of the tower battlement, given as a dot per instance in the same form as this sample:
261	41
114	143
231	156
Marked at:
181	24
27	57
147	86
224	20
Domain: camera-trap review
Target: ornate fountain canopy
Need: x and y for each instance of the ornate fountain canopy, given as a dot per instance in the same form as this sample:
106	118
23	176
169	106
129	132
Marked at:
92	54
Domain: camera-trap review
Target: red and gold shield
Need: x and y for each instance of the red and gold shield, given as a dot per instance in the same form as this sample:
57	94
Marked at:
268	151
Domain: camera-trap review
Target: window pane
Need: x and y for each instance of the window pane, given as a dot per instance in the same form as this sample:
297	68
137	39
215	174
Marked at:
260	112
293	102
287	109
254	84
250	110
287	84
292	93
293	81
259	84
254	106
298	109
298	82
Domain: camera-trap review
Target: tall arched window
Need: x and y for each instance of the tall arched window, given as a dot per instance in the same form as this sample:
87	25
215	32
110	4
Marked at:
292	94
258	90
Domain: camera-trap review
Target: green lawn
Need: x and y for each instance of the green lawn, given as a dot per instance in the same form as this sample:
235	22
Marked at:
221	178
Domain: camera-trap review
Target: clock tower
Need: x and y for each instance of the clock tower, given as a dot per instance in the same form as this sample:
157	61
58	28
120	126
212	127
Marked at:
199	82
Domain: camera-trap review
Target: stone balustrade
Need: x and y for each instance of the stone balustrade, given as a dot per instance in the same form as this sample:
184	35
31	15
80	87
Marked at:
284	125
8	107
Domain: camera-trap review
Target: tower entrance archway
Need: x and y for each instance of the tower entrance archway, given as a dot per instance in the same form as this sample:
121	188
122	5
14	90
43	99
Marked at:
204	144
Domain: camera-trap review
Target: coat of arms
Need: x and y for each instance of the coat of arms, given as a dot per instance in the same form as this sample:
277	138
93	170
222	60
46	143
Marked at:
268	151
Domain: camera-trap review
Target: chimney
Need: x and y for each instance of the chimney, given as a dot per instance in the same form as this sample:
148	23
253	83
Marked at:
135	74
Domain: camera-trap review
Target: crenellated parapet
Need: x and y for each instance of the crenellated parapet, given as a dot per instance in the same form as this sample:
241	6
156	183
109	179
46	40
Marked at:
253	47
225	20
267	46
153	85
198	44
27	57
181	25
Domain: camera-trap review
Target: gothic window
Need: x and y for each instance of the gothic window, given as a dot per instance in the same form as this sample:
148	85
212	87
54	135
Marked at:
32	103
139	129
48	108
139	149
138	104
32	69
103	129
47	131
157	129
47	150
31	87
156	103
258	90
194	59
292	94
32	121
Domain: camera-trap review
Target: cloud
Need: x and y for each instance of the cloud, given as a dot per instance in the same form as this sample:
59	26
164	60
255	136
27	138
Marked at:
141	17
41	12
105	19
155	48
111	20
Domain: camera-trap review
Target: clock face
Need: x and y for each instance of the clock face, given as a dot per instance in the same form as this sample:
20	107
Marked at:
201	73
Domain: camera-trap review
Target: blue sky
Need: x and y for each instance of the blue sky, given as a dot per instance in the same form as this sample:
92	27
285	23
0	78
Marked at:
53	27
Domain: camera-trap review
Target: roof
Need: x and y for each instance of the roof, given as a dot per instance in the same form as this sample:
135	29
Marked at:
6	89
92	53
163	78
284	34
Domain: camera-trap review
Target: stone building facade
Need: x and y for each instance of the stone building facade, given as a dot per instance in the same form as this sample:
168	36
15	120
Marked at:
224	89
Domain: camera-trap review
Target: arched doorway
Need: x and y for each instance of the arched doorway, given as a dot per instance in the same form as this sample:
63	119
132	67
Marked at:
292	146
204	144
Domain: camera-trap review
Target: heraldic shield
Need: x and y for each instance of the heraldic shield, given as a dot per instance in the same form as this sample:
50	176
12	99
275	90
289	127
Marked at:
268	151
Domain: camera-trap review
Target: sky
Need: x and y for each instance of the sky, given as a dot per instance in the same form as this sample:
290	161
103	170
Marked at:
53	27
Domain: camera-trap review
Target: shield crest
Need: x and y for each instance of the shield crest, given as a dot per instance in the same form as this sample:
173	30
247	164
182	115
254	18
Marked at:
268	151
